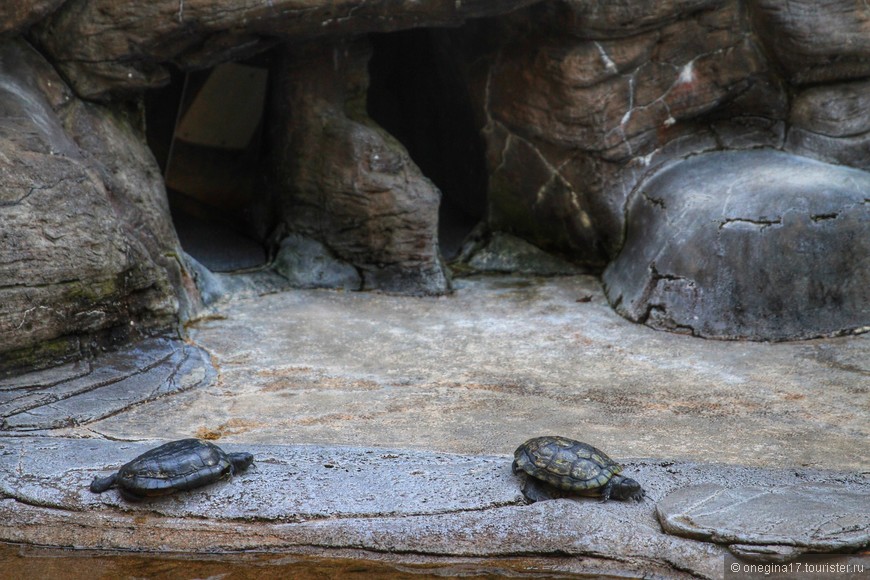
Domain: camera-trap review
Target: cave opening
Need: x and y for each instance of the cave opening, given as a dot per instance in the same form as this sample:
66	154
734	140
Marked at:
208	130
419	94
205	129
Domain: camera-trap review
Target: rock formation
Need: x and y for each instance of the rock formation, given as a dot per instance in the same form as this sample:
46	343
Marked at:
585	109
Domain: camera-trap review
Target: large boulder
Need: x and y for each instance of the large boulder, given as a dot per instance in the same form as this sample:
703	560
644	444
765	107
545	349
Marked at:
583	96
757	244
86	248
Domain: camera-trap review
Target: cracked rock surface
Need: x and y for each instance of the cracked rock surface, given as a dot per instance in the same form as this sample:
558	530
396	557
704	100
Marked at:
753	244
85	391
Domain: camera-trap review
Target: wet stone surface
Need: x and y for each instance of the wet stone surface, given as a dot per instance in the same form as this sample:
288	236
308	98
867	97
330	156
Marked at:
385	425
817	517
390	501
82	392
286	483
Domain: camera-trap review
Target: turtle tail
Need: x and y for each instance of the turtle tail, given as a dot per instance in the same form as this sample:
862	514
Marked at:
101	484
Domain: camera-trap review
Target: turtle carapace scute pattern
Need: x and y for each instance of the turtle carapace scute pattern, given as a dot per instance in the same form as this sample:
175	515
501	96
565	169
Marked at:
175	466
557	467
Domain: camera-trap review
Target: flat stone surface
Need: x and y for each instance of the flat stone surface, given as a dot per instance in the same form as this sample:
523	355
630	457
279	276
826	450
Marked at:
427	398
503	360
287	483
378	499
83	392
819	517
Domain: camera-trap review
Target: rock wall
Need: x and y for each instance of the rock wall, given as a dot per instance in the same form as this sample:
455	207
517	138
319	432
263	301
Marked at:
88	252
581	104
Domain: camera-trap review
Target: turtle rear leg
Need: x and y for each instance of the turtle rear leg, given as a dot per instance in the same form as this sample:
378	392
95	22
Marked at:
537	490
101	484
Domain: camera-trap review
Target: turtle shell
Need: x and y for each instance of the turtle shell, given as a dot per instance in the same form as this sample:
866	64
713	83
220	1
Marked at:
565	464
174	466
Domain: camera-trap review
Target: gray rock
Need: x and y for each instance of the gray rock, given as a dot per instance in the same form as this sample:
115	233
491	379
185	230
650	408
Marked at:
830	123
211	287
344	181
83	392
755	244
393	501
202	34
307	263
812	517
816	41
504	253
287	483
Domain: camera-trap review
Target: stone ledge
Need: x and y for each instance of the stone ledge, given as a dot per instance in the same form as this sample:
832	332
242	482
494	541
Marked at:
434	505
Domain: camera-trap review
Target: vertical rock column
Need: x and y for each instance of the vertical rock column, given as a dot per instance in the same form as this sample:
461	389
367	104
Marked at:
341	179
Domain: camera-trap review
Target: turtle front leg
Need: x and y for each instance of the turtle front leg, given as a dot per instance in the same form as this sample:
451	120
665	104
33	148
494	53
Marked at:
607	490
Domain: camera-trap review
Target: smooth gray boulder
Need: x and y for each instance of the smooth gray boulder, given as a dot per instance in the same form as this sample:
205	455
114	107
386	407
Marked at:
307	263
779	520
759	245
505	254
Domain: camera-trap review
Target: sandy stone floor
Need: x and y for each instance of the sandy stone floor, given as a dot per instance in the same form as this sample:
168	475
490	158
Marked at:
382	427
504	359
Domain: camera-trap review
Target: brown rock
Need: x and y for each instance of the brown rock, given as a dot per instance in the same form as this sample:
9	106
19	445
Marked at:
831	123
81	220
128	41
619	18
574	122
18	15
816	40
344	181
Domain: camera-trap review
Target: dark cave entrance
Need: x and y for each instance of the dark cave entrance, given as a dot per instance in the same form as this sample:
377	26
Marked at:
206	130
418	93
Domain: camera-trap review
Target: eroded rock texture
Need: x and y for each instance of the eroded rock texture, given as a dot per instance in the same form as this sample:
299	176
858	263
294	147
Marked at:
86	245
18	15
345	181
584	97
580	103
816	40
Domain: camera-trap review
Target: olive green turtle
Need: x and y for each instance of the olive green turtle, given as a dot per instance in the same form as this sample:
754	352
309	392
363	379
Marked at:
556	467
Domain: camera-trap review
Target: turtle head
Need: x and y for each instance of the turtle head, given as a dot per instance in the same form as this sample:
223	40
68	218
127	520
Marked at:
241	461
626	488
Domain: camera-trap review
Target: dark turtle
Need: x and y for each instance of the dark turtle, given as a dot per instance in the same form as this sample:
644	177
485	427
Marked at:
557	467
174	466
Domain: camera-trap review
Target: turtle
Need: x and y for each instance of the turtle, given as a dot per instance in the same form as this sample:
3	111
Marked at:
174	466
558	467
